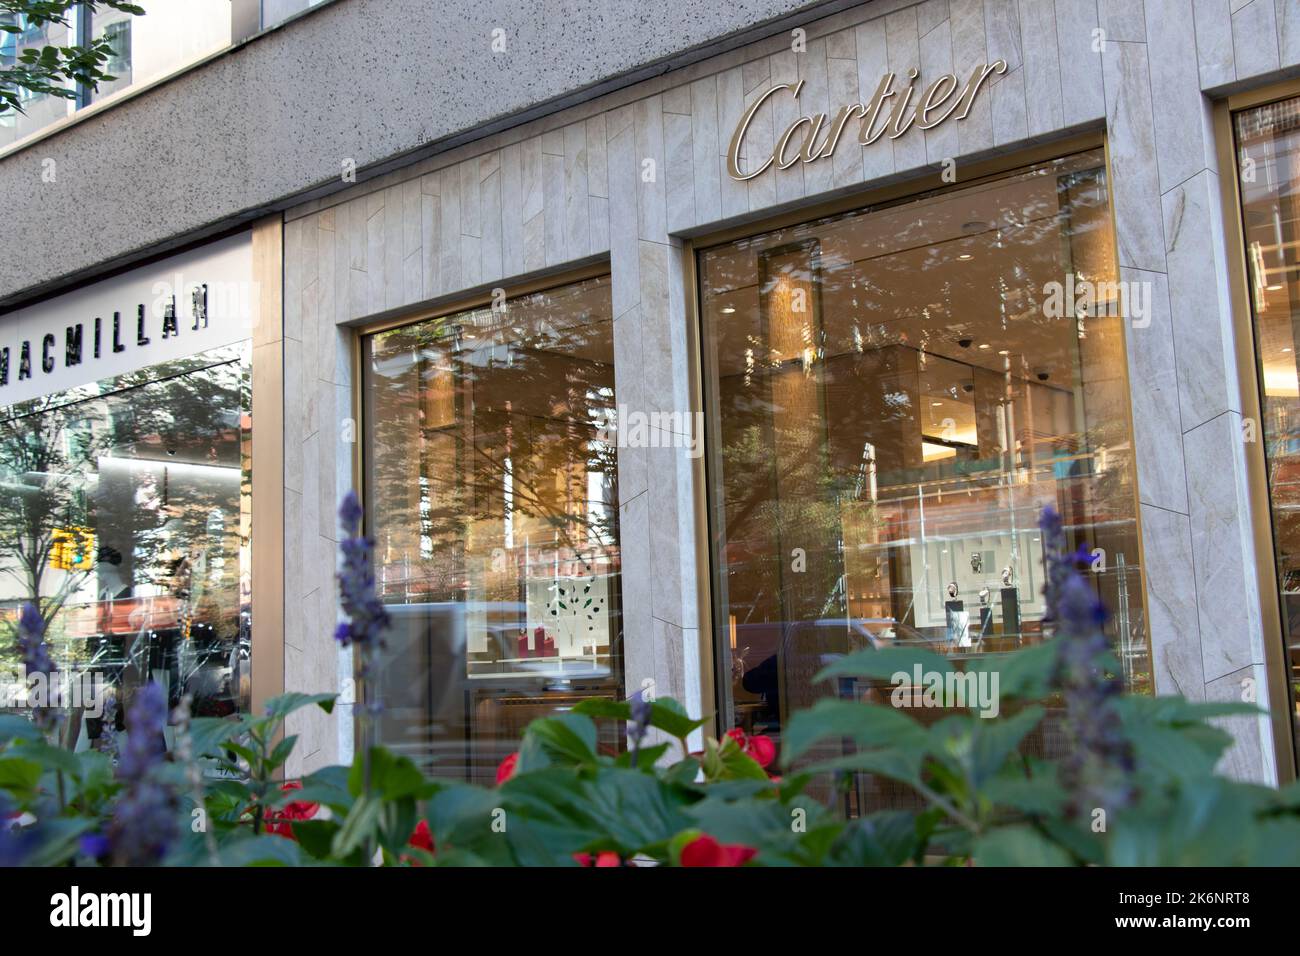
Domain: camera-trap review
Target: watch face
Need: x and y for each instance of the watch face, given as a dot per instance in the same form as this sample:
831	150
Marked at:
1006	577
952	589
977	562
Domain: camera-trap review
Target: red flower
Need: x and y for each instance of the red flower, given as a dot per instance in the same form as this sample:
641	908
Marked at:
761	748
280	821
706	851
506	769
421	839
603	858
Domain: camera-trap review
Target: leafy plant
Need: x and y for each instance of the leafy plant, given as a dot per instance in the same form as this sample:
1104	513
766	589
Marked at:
1135	783
46	70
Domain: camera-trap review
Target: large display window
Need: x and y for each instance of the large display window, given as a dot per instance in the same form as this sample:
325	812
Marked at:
125	518
1268	149
493	502
894	394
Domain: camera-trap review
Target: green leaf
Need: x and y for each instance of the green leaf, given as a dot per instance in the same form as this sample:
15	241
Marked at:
1208	823
328	786
896	764
1277	843
461	815
1018	846
995	739
1039	795
736	764
567	738
1024	674
646	757
864	724
20	776
359	828
282	751
671	717
635	809
603	707
886	838
1184	753
207	734
58	840
51	758
683	772
13	727
391	776
886	664
263	850
286	704
316	837
665	713
396	824
247	753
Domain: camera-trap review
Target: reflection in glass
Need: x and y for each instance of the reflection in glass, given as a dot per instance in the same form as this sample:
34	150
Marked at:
894	397
124	514
494	507
168	37
39	109
1268	140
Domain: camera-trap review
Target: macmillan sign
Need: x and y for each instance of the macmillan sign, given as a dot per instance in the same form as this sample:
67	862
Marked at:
892	110
198	300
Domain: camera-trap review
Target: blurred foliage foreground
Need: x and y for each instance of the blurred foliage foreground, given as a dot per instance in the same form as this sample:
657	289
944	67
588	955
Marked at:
1136	785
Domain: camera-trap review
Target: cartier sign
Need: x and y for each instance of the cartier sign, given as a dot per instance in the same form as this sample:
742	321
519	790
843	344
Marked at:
815	137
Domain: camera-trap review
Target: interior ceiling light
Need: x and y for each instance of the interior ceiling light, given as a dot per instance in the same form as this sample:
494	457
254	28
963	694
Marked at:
965	255
728	309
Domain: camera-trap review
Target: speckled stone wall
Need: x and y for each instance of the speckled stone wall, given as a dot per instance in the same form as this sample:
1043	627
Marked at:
567	188
359	80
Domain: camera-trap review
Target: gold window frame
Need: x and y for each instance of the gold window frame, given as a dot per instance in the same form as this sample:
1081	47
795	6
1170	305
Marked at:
893	193
1249	383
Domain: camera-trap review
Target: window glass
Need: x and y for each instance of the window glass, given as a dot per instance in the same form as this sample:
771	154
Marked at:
277	11
893	396
1268	140
169	36
124	513
493	502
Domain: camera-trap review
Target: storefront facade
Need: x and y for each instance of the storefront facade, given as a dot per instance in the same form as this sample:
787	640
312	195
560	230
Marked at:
128	450
970	106
779	353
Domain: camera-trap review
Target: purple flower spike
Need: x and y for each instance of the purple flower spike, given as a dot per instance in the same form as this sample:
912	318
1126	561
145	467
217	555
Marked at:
350	512
35	655
144	824
1097	770
367	617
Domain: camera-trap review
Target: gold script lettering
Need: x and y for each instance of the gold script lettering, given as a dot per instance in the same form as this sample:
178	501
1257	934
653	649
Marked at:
933	99
936	104
738	137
